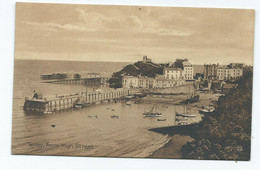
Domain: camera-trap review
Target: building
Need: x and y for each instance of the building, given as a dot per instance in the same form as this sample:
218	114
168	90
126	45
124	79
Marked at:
235	65
227	73
130	82
145	82
146	59
187	70
105	80
161	82
77	76
199	76
173	73
180	69
93	75
227	87
210	71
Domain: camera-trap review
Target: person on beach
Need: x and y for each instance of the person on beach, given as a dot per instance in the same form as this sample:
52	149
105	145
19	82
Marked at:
35	95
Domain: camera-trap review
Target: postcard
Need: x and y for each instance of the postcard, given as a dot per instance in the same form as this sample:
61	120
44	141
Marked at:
133	81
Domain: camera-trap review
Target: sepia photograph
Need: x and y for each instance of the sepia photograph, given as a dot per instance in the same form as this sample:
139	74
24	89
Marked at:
133	81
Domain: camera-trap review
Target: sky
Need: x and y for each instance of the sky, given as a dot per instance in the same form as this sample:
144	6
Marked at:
127	33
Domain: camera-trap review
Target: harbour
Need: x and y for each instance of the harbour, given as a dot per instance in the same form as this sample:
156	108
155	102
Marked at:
99	109
88	126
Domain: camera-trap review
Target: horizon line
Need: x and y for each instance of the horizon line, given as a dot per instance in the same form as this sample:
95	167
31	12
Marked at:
121	61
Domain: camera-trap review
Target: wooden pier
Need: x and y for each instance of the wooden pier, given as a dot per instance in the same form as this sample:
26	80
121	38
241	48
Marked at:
97	81
76	100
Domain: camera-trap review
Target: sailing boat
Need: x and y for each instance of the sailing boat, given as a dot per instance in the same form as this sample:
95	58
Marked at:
153	112
185	114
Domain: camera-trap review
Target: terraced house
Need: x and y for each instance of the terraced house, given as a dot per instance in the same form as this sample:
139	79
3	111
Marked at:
226	73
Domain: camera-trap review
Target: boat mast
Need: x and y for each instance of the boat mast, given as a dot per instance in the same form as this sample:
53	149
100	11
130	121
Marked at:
152	109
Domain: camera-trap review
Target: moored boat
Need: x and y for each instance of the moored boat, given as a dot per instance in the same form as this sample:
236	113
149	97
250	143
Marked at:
181	118
207	110
95	116
115	117
161	119
152	112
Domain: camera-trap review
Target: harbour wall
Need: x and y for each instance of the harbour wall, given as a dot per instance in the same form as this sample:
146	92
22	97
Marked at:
79	99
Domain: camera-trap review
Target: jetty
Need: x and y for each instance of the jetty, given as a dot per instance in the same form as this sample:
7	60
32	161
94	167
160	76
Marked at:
96	81
76	100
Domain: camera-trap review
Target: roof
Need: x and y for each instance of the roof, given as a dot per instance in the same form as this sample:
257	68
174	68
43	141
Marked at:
126	76
186	63
229	86
159	77
172	68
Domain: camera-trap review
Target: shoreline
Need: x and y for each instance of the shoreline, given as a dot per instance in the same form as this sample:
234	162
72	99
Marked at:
156	146
172	149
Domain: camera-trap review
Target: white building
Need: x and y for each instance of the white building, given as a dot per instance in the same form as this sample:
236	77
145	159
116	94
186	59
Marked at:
187	70
93	75
161	82
130	82
173	73
225	73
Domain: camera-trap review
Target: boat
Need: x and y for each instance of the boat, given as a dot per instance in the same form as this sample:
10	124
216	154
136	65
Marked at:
95	116
129	97
82	104
76	106
139	95
152	112
183	123
48	112
180	114
115	117
189	115
207	110
128	103
153	115
185	114
160	119
180	118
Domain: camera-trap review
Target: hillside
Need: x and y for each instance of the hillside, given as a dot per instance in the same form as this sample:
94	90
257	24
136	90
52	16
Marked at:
148	69
227	134
139	68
